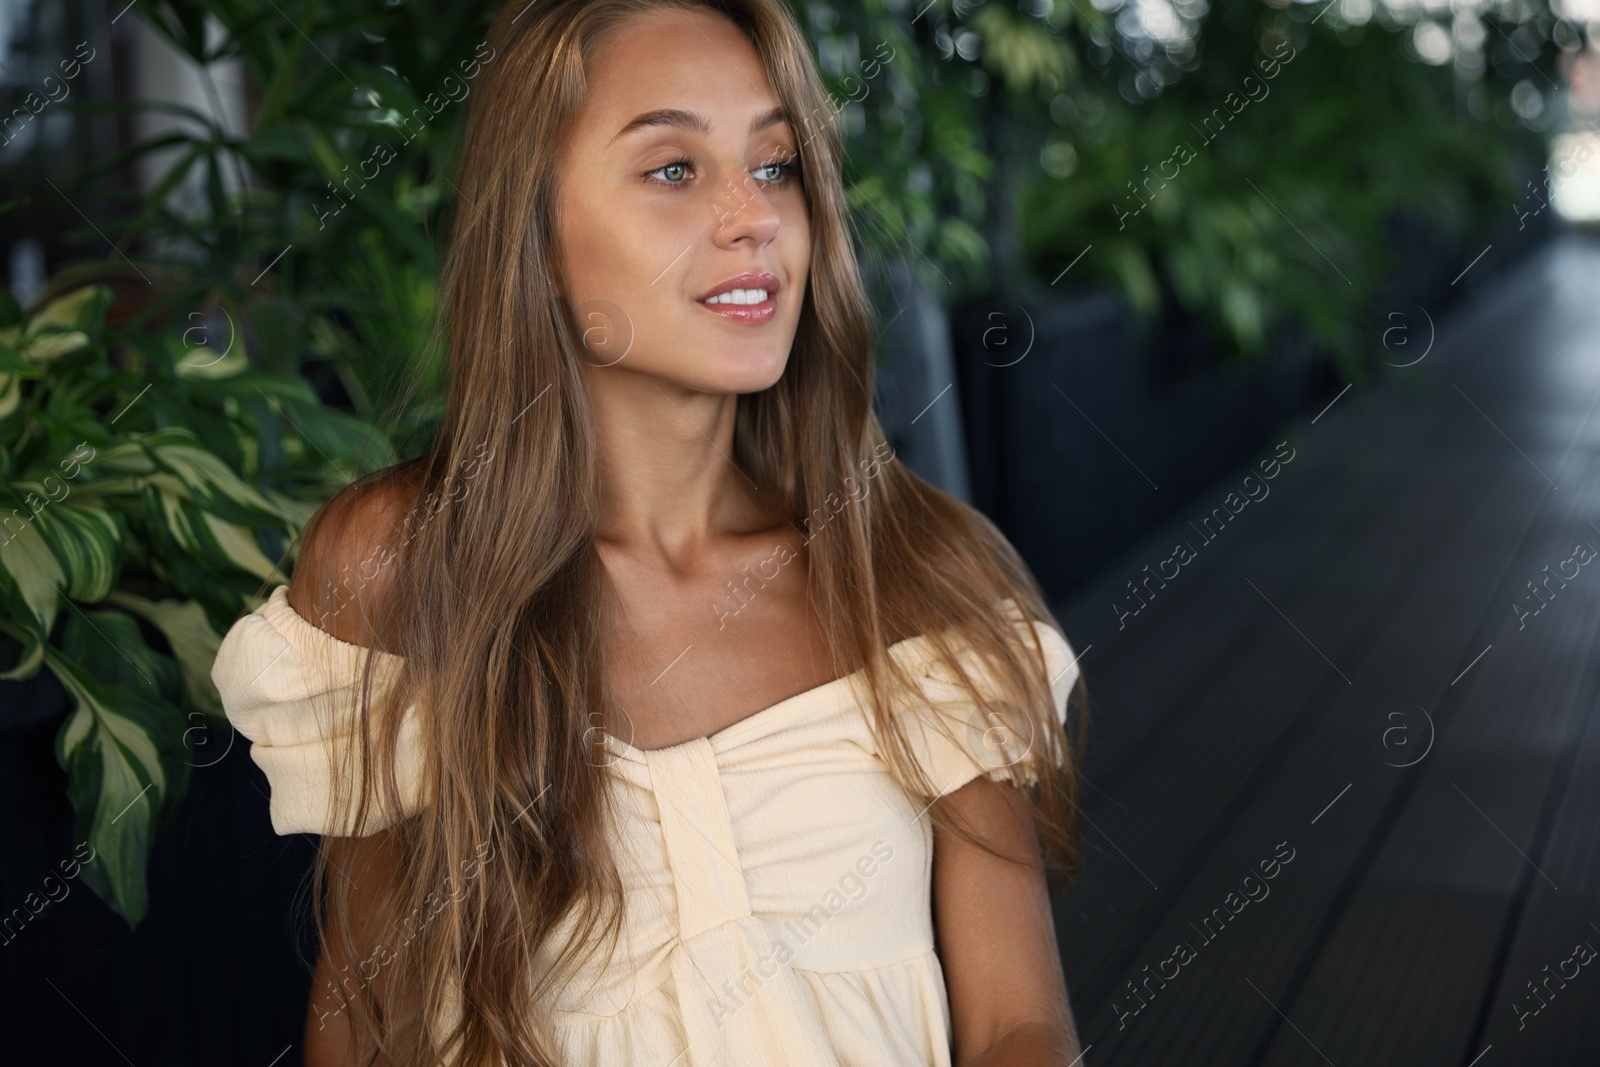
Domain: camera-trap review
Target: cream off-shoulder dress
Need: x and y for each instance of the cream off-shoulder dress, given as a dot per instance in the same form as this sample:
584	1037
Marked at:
778	881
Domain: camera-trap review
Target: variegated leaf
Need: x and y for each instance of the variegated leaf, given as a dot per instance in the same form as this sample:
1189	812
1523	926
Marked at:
193	641
239	545
211	482
32	651
59	328
125	457
221	543
30	571
75	310
295	512
122	750
87	542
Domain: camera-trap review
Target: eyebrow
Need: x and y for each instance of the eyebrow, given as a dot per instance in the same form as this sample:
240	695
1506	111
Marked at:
694	121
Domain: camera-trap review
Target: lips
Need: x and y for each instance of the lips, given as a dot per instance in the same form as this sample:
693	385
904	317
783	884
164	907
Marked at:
753	279
747	314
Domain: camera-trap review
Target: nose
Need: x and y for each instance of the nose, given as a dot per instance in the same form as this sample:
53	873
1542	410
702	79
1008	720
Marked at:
741	210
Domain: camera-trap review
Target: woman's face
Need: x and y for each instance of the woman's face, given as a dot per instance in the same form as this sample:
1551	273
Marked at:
668	192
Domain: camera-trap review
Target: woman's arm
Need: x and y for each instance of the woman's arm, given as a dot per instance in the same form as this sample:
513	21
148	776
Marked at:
997	940
328	1035
328	1030
338	588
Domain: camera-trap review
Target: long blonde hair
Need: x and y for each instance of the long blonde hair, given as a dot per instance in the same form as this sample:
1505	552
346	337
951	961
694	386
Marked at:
506	601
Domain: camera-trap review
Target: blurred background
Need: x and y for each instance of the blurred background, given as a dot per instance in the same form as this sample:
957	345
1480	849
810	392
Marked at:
1266	330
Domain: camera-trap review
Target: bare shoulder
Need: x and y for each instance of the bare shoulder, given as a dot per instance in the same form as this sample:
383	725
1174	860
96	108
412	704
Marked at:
347	561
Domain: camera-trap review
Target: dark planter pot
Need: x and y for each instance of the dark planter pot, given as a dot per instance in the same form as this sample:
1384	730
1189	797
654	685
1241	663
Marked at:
1086	428
1084	442
1436	270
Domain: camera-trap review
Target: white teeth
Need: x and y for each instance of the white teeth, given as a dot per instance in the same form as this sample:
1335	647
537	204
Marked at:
739	296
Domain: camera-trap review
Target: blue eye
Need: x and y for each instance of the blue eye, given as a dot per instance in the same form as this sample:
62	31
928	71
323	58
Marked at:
676	163
786	171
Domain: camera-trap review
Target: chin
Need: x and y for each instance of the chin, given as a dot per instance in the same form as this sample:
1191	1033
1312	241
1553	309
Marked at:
747	365
747	375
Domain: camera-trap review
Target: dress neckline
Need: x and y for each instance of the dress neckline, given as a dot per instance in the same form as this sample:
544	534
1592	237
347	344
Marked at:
277	604
721	738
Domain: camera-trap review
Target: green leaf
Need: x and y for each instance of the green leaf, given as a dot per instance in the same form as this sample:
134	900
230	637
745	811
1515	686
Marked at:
278	144
239	545
87	542
220	546
29	572
14	362
32	656
125	457
10	394
1131	266
82	309
109	645
296	513
122	749
335	434
204	362
62	326
1244	313
252	382
193	641
208	480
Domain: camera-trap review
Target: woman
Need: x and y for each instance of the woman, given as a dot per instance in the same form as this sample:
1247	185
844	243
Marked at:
699	729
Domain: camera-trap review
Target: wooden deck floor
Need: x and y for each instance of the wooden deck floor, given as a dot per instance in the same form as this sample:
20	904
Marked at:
1339	683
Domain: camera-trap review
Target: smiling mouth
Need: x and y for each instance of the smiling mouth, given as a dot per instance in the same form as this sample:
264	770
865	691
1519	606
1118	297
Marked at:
750	306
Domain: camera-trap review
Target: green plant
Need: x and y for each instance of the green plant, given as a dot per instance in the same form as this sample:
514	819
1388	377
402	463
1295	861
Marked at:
1281	207
335	187
137	519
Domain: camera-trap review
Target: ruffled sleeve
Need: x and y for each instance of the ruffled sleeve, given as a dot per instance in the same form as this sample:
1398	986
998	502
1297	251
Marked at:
955	741
290	688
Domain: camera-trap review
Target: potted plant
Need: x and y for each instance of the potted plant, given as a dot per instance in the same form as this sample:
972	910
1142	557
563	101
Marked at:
138	520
